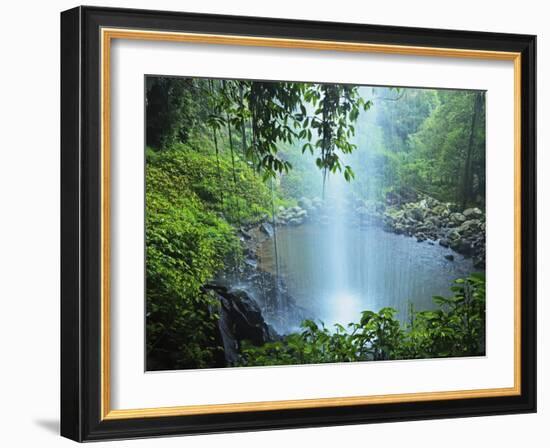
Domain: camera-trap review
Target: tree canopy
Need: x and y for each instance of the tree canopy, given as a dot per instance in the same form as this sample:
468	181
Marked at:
321	116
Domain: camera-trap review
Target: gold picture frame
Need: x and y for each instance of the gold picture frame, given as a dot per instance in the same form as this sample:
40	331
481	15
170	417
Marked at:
108	30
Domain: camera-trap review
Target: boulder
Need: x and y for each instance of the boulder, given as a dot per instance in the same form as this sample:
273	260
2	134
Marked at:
469	228
461	246
450	257
267	228
434	221
251	262
472	213
415	213
453	236
457	218
398	228
245	234
241	318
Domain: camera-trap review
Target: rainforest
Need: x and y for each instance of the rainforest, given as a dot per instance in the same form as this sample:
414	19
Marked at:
299	223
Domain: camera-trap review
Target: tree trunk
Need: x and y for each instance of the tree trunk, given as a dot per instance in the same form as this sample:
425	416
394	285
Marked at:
211	83
467	176
243	129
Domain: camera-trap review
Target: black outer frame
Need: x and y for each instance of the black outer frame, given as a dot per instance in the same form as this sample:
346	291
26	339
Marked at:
80	223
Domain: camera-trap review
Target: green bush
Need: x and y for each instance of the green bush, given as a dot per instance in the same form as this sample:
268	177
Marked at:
238	195
189	237
185	245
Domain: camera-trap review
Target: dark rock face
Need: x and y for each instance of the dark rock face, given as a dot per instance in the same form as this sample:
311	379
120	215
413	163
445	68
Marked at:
245	235
245	317
240	320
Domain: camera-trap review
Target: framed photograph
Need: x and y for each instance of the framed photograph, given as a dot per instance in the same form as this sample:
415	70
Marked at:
275	224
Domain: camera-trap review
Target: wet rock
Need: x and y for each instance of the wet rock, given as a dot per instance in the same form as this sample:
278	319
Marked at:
267	229
398	228
450	257
430	219
245	233
241	318
252	262
471	213
434	221
461	246
415	213
441	210
457	218
470	227
453	236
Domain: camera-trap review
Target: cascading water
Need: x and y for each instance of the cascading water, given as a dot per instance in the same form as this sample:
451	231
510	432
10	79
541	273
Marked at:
341	302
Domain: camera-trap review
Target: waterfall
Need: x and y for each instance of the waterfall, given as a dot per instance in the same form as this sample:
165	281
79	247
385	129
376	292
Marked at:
342	304
341	260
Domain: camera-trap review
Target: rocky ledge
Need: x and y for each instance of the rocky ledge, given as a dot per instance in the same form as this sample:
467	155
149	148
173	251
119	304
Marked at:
306	210
240	320
428	219
418	216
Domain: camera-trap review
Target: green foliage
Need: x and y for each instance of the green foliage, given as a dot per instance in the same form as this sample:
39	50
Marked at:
246	201
421	140
439	163
172	110
337	107
185	245
188	239
270	112
456	328
304	179
402	112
